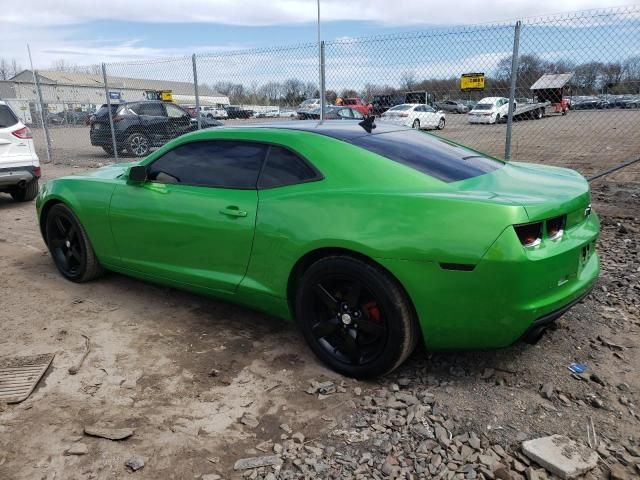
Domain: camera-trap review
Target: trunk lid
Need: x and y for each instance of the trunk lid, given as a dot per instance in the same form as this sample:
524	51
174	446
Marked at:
543	191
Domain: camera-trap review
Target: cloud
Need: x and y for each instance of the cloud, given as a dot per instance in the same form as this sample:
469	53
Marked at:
283	12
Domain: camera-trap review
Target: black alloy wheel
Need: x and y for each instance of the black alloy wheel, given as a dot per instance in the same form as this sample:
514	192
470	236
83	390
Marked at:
69	246
355	317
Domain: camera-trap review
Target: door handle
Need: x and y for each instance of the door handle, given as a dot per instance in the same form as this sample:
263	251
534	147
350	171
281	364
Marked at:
233	211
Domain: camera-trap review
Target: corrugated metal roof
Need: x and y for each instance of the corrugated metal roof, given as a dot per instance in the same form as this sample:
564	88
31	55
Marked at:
552	80
95	80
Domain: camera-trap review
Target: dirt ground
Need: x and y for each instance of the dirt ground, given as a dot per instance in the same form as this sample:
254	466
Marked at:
184	371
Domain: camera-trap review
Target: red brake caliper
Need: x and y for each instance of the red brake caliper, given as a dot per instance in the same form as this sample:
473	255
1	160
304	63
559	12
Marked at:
373	312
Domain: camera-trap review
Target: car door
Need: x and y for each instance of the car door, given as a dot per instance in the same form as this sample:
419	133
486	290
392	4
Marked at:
428	118
193	220
153	120
179	121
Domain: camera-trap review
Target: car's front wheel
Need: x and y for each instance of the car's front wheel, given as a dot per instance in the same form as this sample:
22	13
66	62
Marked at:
355	316
497	118
69	245
26	193
416	124
441	124
138	145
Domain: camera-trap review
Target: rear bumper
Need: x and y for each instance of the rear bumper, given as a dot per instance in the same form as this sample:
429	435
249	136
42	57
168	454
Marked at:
480	119
10	177
537	328
510	292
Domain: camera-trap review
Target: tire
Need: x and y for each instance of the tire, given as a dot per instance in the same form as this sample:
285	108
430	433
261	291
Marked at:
539	114
416	124
441	124
334	328
138	145
108	150
27	193
498	118
69	245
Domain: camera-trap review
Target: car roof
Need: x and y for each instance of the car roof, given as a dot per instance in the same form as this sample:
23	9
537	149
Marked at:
490	99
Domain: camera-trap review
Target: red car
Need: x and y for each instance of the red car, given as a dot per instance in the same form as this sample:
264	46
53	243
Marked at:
357	104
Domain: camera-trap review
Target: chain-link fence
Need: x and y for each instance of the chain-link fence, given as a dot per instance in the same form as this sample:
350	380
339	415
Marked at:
573	98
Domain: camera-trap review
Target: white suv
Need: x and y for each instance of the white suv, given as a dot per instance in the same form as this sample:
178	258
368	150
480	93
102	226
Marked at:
19	164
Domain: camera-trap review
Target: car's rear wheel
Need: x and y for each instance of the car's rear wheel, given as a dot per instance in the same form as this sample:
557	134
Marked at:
441	124
26	193
69	245
138	145
416	124
108	150
355	316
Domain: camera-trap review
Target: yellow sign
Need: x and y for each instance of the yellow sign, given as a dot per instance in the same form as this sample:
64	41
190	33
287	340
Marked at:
166	96
472	81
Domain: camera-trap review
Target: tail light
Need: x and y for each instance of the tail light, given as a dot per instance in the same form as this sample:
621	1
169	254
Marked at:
23	133
530	234
37	172
555	227
403	115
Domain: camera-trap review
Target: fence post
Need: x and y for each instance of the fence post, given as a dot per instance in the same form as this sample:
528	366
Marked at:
113	132
322	86
512	89
195	89
43	118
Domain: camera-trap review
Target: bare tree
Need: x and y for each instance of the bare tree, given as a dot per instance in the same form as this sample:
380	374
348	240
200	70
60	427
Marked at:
408	81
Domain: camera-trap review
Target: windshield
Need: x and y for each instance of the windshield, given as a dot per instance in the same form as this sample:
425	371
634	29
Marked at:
7	118
483	106
399	108
430	155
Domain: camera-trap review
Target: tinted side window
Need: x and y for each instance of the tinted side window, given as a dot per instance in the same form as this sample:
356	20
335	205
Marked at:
284	167
151	109
7	118
174	111
428	154
226	164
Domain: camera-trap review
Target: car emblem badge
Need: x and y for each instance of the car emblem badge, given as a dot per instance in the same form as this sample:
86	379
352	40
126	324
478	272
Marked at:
346	318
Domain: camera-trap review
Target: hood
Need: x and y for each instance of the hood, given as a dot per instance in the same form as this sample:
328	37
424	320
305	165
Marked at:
111	171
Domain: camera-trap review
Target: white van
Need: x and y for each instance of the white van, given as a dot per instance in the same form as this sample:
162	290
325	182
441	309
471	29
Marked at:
490	110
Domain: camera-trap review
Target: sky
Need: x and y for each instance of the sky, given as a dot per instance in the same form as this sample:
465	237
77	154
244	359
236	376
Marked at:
89	31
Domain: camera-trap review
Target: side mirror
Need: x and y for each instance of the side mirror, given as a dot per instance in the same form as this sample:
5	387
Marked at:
137	174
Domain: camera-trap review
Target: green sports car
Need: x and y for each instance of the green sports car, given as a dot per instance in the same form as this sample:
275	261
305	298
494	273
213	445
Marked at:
371	237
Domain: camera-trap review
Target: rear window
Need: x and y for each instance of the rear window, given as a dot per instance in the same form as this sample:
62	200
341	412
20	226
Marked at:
483	106
401	107
7	118
428	154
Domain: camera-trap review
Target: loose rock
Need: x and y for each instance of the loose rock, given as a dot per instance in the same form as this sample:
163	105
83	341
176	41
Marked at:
560	455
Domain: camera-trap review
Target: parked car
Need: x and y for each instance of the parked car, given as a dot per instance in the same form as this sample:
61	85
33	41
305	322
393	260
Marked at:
306	107
357	104
415	115
335	112
490	110
452	106
382	103
371	239
213	112
19	163
139	126
57	118
630	101
585	102
234	111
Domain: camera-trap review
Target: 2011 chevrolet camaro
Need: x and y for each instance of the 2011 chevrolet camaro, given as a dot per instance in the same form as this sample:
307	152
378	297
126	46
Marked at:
370	238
